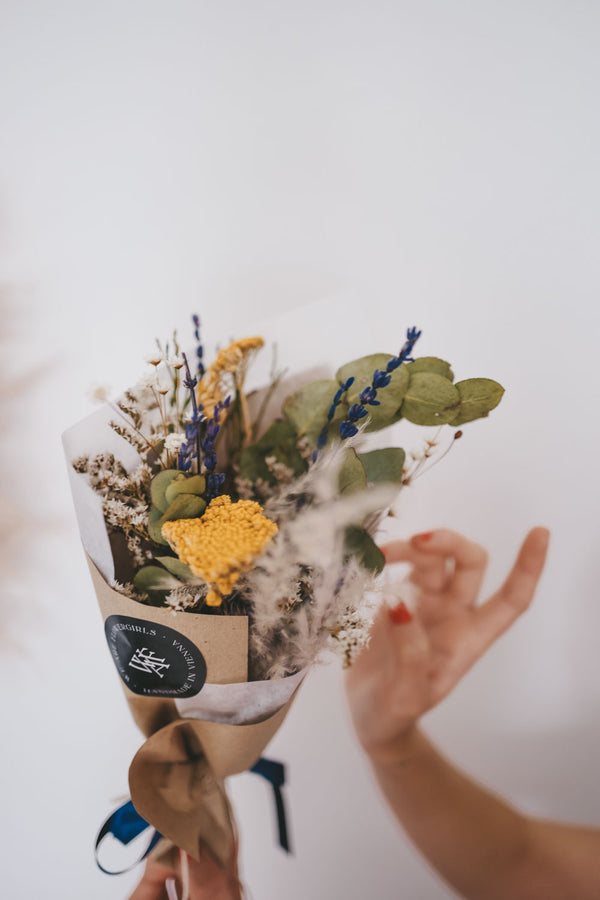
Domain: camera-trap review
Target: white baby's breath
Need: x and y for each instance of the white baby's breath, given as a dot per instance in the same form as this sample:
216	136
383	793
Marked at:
174	441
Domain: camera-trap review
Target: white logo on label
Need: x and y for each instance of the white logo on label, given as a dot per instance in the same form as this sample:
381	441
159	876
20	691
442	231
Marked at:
146	661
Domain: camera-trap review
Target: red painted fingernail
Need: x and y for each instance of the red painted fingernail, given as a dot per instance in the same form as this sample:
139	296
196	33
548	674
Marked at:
400	615
424	536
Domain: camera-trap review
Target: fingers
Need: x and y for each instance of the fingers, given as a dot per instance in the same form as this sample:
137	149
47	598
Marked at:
406	639
516	594
399	551
443	560
430	573
470	561
152	885
207	880
394	637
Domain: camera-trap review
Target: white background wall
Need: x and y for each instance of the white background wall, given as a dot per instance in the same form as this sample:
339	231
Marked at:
429	163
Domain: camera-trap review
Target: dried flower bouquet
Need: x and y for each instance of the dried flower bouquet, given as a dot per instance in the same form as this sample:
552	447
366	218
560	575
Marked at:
237	544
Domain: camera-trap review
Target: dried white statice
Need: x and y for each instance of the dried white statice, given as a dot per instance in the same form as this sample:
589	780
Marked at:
125	515
244	487
186	597
352	636
305	449
263	490
260	489
103	470
127	590
138	481
282	473
174	441
124	497
352	631
134	545
109	477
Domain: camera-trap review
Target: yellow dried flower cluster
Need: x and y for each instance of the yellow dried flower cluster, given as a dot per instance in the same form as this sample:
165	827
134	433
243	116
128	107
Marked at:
222	544
226	372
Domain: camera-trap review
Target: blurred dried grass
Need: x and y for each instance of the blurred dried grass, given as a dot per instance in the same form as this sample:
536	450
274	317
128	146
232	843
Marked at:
16	521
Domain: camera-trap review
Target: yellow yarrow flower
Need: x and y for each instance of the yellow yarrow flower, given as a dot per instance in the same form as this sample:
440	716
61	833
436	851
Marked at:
222	544
226	372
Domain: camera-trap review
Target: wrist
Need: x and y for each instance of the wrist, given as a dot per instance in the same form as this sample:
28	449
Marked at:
396	752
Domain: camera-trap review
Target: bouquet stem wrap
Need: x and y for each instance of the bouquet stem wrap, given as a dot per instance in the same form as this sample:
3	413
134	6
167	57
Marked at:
177	777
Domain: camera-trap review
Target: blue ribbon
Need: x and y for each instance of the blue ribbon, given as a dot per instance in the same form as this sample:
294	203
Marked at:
274	772
125	823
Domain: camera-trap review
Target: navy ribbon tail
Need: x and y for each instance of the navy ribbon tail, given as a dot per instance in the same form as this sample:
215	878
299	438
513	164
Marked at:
274	773
125	824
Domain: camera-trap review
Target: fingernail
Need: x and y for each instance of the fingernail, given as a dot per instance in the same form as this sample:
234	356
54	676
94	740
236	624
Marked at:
424	536
400	615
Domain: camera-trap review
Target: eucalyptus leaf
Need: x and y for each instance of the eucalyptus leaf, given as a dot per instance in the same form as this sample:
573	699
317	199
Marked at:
253	466
196	484
384	466
155	521
178	569
430	400
478	396
278	441
362	370
184	506
159	485
154	578
431	364
360	544
352	476
308	407
390	397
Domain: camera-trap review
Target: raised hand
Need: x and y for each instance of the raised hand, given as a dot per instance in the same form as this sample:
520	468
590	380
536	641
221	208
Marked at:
413	661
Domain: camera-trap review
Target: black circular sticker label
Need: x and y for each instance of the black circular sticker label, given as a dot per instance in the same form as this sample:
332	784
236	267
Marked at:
154	660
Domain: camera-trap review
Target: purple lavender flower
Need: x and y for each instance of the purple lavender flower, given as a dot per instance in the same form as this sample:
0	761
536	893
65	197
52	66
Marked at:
368	395
380	379
356	412
337	399
199	348
347	429
214	483
191	448
214	480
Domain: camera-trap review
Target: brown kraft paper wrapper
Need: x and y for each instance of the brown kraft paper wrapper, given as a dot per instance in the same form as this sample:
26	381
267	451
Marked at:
177	777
